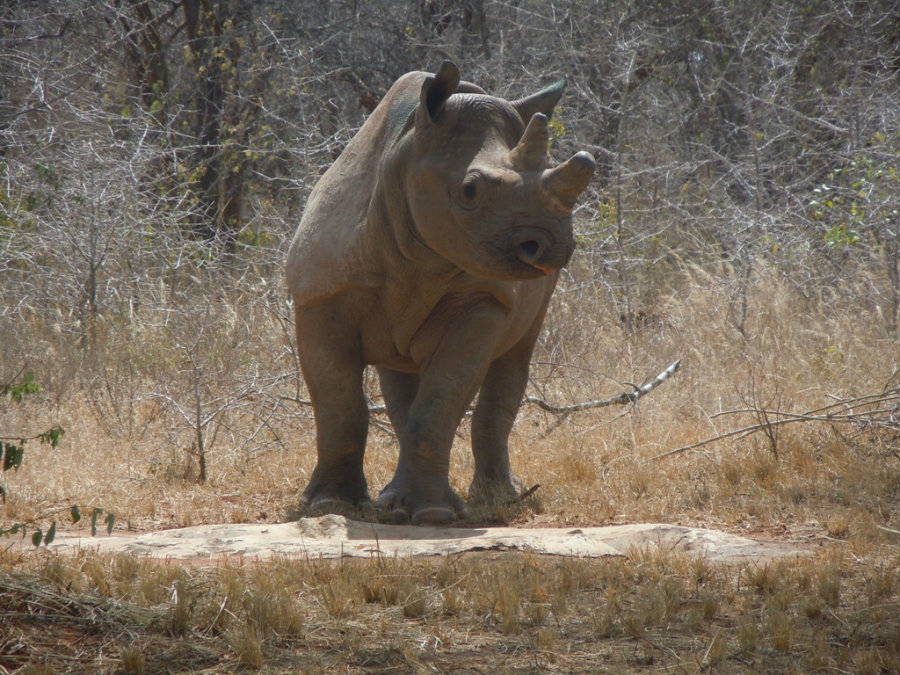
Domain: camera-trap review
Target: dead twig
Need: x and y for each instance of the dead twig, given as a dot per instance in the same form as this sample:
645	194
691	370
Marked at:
622	399
527	493
885	414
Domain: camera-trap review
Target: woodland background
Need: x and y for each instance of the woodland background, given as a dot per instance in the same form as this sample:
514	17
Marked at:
155	158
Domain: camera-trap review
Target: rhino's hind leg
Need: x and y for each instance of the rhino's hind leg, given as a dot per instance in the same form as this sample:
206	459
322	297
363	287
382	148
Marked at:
332	368
399	391
496	410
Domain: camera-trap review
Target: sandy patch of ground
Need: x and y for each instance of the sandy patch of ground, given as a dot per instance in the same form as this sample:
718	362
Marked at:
334	536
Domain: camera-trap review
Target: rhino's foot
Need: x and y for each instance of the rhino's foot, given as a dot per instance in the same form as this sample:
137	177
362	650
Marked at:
334	494
406	507
494	490
341	507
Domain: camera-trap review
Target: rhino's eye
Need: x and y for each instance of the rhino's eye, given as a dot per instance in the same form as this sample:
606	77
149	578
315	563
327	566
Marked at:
470	191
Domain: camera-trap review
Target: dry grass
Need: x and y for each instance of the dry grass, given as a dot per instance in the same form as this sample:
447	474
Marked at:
511	613
832	487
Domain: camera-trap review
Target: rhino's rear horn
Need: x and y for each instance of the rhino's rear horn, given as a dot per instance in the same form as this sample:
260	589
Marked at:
530	154
568	180
437	89
543	101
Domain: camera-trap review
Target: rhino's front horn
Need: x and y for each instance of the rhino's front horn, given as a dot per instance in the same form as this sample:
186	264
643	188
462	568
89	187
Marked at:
568	180
530	154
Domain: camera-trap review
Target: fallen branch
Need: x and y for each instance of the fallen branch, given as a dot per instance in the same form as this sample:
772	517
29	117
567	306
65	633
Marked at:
624	398
886	414
562	412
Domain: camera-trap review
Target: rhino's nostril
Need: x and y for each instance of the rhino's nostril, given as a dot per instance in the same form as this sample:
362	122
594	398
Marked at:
529	250
531	246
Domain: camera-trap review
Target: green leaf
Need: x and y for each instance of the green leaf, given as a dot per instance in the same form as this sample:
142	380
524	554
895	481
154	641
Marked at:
96	513
110	521
27	386
12	456
51	534
52	437
76	513
37	537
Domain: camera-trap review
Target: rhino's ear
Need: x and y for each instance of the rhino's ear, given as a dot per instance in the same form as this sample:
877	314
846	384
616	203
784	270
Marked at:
542	102
437	89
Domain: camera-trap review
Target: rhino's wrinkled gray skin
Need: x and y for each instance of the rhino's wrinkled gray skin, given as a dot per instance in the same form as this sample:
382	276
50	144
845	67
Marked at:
430	249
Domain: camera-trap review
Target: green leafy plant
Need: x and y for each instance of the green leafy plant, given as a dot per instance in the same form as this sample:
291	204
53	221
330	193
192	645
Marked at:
12	452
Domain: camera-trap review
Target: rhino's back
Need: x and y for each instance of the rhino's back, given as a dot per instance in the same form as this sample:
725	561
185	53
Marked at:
325	255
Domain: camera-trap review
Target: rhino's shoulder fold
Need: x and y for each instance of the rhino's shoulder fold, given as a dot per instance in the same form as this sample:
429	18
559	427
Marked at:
328	252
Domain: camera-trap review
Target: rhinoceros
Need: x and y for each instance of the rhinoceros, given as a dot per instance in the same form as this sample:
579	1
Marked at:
429	250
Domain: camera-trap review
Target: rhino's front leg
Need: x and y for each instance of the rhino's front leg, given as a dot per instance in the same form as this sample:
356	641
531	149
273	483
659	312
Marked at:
332	366
420	489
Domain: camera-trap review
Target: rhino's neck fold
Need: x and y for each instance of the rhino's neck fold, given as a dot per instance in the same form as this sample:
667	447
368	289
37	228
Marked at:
390	217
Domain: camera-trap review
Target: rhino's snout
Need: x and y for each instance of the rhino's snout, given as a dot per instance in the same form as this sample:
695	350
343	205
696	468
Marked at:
536	249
